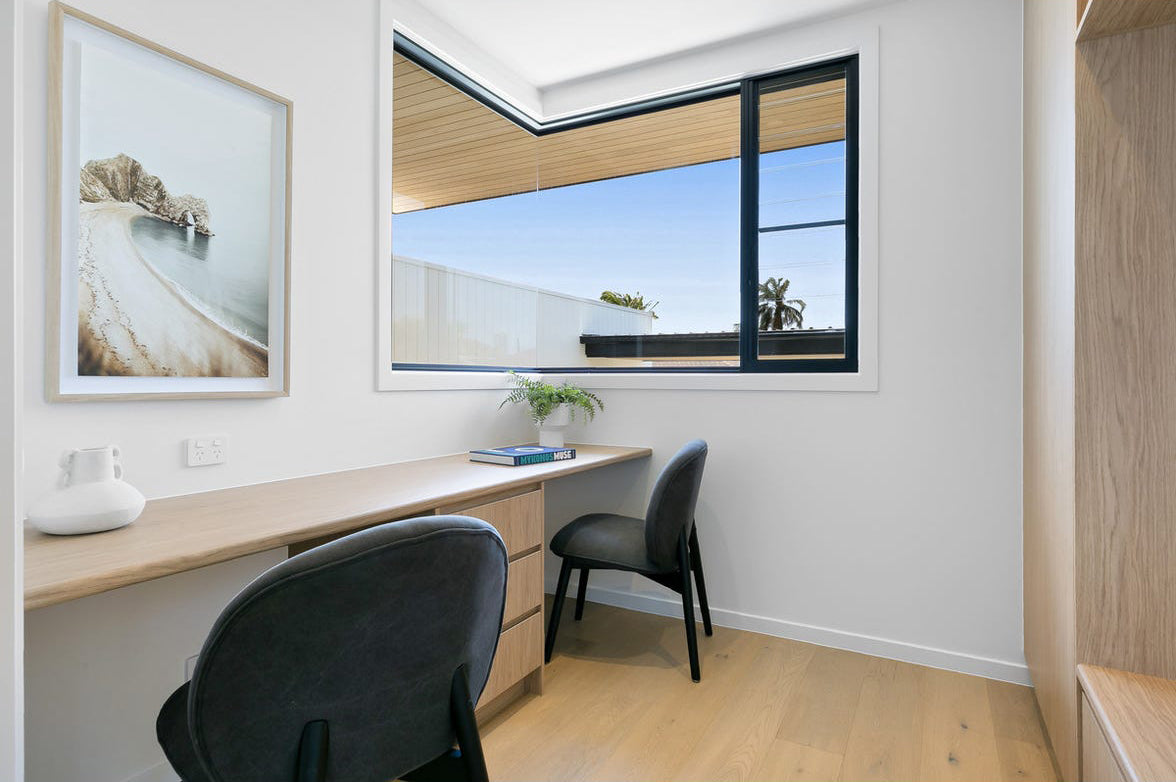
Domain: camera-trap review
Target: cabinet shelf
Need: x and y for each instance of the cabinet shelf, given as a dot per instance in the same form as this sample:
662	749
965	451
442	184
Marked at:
1111	17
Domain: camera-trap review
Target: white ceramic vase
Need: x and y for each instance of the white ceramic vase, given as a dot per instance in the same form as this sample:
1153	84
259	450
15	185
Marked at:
551	431
92	496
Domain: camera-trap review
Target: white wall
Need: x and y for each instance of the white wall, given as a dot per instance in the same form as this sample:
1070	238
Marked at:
11	597
846	517
891	521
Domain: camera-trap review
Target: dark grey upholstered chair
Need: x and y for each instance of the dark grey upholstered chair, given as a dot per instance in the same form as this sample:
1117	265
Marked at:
356	661
663	546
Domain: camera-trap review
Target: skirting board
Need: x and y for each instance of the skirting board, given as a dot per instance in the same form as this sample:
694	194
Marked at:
1001	670
159	773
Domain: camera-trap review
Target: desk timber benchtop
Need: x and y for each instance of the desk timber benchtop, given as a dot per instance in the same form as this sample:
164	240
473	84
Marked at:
176	534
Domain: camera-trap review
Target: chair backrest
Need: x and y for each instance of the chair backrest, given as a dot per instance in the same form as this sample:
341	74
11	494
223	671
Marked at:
671	506
365	633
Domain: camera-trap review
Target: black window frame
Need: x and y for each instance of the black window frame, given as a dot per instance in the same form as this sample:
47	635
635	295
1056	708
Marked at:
748	90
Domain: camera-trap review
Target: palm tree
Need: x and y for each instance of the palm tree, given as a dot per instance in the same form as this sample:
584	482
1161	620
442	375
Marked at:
775	311
633	302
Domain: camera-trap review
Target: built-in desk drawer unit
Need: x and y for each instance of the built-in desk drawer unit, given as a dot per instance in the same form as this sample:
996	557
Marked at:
518	519
524	588
518	664
519	655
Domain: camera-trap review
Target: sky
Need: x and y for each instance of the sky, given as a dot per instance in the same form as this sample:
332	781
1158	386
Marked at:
671	235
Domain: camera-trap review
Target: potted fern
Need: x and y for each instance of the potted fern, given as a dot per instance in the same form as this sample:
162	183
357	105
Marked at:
553	407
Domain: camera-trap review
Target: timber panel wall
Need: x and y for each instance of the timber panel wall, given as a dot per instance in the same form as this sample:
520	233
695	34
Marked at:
1126	360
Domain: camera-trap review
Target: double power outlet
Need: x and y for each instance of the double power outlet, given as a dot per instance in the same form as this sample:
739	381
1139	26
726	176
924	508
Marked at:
206	450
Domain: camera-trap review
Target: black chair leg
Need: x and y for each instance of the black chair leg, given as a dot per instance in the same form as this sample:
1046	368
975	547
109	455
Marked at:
312	752
466	727
688	607
700	582
467	763
561	593
580	593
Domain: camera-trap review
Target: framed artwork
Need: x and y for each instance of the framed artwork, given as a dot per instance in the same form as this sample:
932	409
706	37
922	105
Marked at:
169	229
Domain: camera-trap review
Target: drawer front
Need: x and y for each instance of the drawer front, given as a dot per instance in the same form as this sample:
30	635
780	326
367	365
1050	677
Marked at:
524	587
518	519
520	651
1098	762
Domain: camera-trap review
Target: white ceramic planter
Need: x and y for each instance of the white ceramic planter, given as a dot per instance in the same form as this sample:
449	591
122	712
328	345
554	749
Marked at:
551	431
92	496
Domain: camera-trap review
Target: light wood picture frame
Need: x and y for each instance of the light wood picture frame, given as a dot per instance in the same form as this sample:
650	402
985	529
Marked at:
169	223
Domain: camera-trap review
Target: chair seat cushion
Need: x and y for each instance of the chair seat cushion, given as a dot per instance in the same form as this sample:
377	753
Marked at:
171	728
605	540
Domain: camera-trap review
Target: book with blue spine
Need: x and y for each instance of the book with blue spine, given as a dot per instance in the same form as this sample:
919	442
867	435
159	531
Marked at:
517	455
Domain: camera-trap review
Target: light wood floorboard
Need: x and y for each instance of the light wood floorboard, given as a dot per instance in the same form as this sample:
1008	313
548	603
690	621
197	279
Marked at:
889	715
619	705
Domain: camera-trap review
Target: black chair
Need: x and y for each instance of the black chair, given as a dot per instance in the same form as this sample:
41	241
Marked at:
663	546
358	660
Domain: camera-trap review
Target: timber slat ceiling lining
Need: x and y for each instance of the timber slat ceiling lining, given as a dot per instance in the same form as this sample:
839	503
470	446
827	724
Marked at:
447	148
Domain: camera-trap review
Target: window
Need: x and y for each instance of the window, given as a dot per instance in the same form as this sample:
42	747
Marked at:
711	231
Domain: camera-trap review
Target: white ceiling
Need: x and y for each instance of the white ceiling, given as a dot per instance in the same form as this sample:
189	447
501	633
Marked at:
548	42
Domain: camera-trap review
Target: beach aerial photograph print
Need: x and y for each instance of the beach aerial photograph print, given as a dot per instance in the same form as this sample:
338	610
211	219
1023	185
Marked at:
134	318
173	222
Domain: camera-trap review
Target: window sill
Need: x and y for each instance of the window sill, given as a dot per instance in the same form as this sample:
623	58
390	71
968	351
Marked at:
423	380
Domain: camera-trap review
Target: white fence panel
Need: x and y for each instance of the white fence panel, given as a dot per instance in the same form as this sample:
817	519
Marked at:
442	315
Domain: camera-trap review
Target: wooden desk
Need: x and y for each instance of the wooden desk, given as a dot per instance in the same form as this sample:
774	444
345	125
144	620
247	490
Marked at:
182	533
1128	726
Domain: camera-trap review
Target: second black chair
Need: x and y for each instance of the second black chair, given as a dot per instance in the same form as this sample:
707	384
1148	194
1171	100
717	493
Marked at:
663	546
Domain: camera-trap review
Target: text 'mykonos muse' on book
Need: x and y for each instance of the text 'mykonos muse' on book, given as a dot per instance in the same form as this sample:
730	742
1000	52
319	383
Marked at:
516	455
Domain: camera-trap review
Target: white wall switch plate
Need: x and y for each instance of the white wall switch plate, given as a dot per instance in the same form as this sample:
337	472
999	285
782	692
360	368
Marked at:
206	450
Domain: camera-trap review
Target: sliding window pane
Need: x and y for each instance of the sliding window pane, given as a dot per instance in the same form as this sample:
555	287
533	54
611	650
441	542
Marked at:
802	218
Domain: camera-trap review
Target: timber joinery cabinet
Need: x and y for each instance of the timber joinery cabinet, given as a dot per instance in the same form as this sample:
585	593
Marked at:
1100	360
